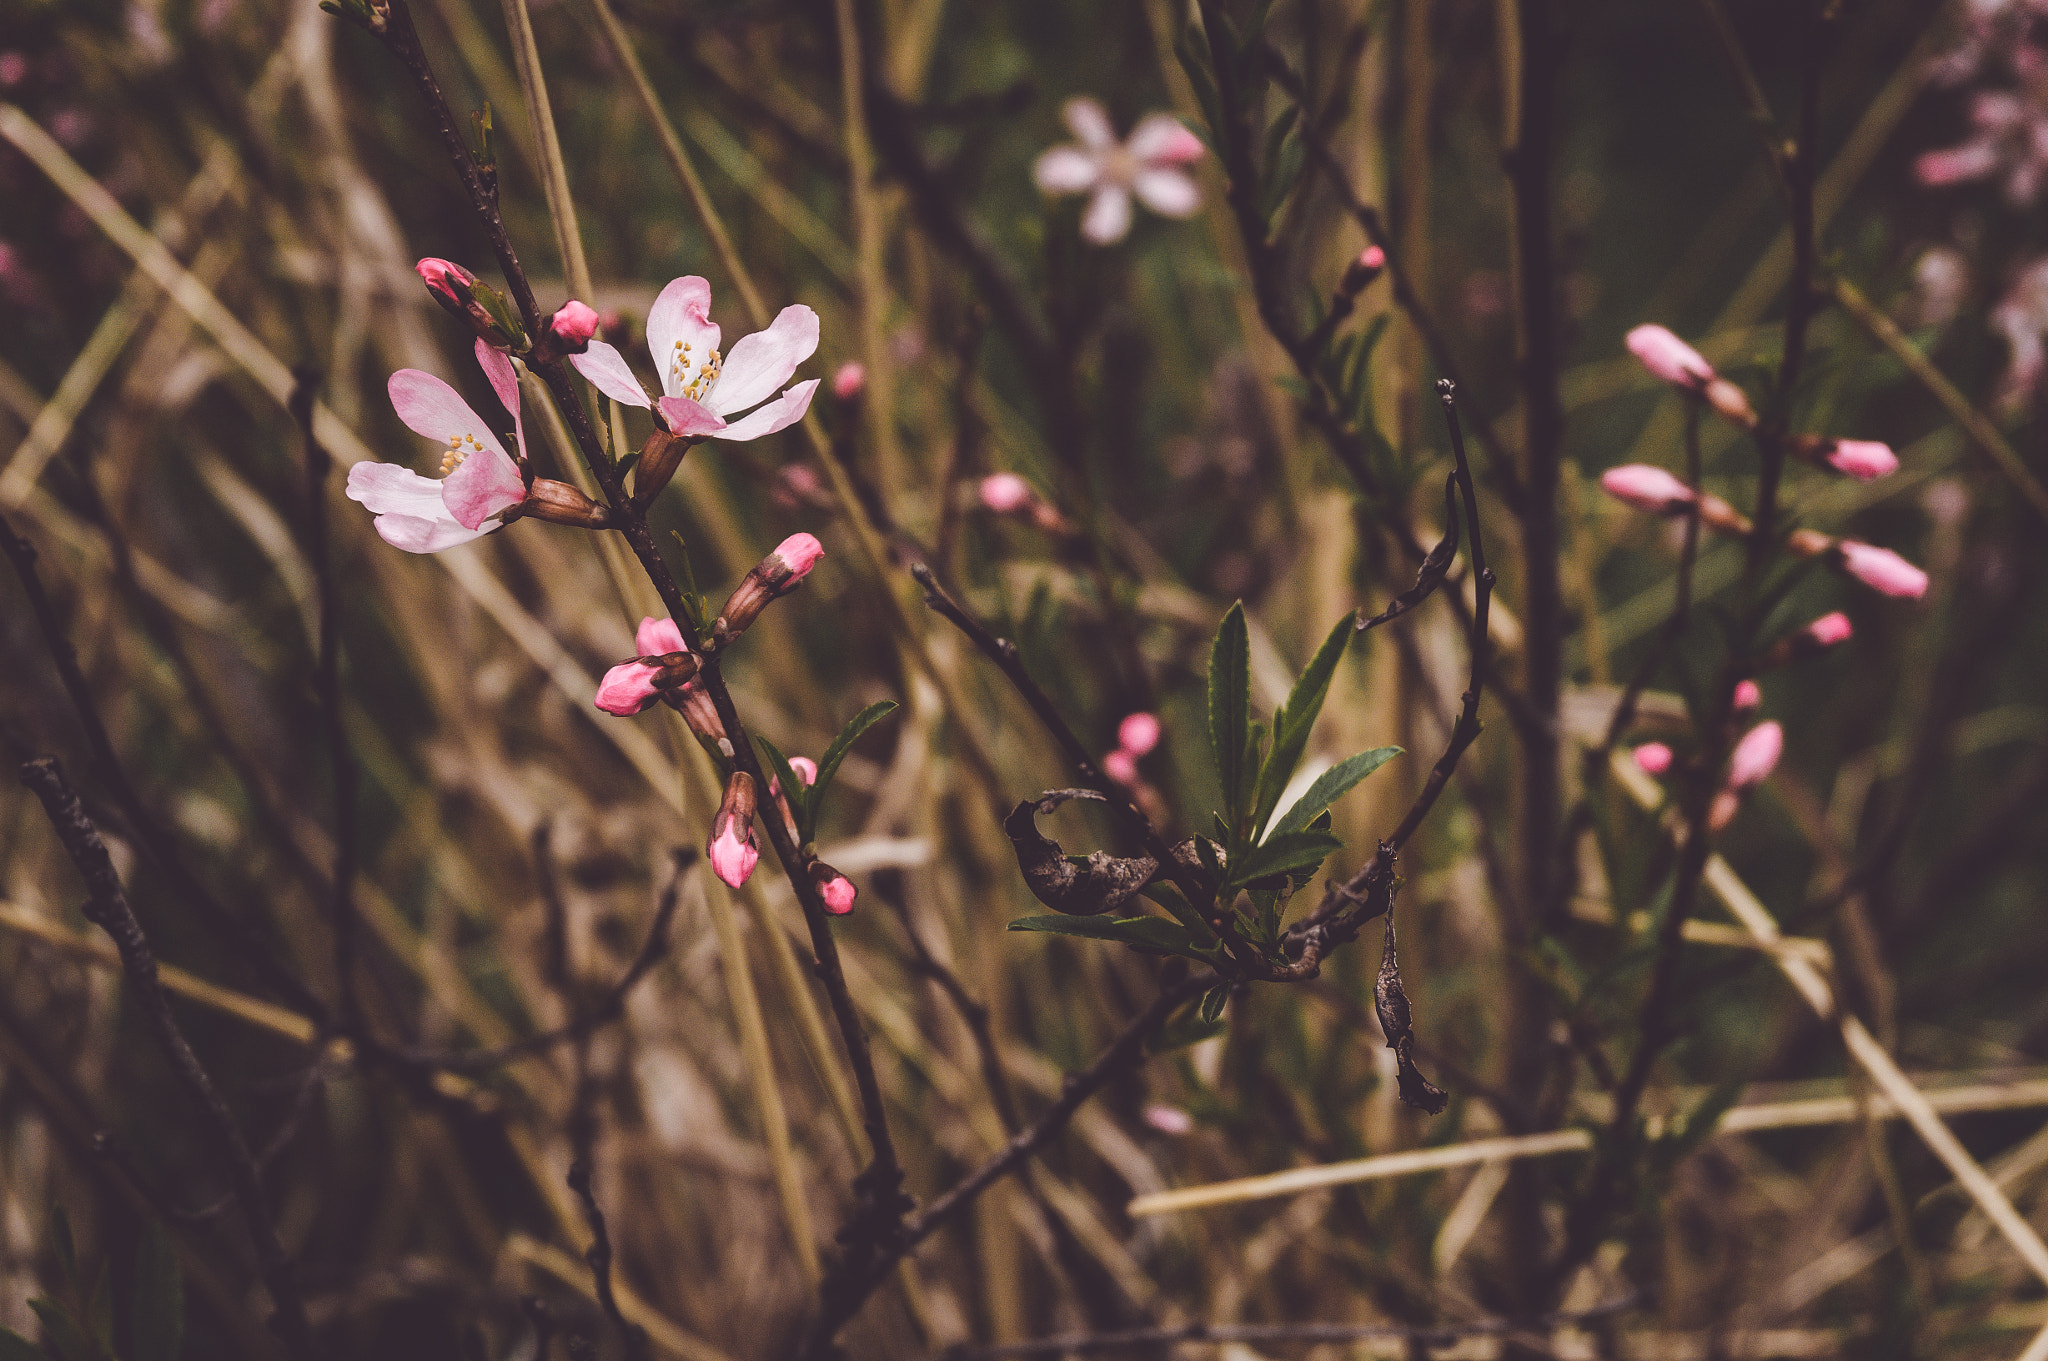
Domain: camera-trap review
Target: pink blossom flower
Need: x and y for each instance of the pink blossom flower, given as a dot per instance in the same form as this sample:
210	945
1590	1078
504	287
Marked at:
574	322
848	381
1169	1120
1005	493
1669	358
1652	758
1882	570
1646	488
1121	766
1755	756
2009	136
1865	460
2022	318
1748	695
701	385
1373	258
1110	171
1138	733
799	554
629	688
1831	629
479	479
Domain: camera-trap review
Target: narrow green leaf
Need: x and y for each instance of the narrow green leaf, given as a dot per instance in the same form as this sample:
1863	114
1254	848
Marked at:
1282	853
1212	1003
1169	897
828	765
1152	933
796	791
156	1318
15	1347
1248	772
1296	718
1302	877
1332	785
693	600
1230	683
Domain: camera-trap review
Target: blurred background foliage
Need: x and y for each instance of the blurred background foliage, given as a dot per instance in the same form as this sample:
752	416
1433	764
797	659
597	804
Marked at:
283	158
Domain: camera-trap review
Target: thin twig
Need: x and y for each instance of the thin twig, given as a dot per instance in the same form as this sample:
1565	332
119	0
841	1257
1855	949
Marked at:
631	1335
107	908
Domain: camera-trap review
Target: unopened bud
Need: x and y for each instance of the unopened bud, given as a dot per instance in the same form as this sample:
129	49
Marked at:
1648	488
659	459
1723	518
1748	695
1808	543
1881	570
1653	758
701	715
772	578
849	381
1372	258
834	889
1755	756
1866	460
561	504
1731	402
448	282
1669	358
1829	630
568	332
731	849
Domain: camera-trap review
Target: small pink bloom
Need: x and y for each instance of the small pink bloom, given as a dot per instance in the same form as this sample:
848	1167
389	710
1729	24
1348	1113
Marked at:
1972	160
1646	488
13	69
805	769
574	322
1669	358
1147	165
658	637
1005	493
447	278
837	891
732	856
479	479
1866	460
848	381
627	688
1138	733
1748	695
800	553
1830	629
1653	758
1170	1120
1372	257
1882	570
1121	766
1755	756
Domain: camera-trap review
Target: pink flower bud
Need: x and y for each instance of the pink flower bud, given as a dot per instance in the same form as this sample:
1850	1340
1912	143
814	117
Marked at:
1138	733
1748	694
1669	358
849	381
1646	488
627	688
446	278
1372	258
657	636
1755	756
1171	1120
834	888
800	553
1653	758
805	769
1830	629
772	578
1121	766
574	323
1882	570
1005	493
731	850
1866	460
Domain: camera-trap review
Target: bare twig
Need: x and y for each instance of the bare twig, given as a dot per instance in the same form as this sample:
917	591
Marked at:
107	908
631	1335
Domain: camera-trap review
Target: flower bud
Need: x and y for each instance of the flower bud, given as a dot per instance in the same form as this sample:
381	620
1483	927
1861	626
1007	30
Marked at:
849	381
627	688
1138	734
806	772
1723	518
1652	758
731	850
448	282
561	504
1881	570
659	459
1866	460
1005	493
772	578
1121	766
701	714
1372	258
1647	488
1808	543
1748	695
1731	402
1755	756
834	888
1669	358
1168	1120
1829	630
574	323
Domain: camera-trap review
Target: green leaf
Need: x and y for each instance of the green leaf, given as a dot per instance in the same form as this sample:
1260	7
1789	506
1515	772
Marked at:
793	789
1284	852
1248	773
1169	897
828	765
1146	932
1301	877
1332	785
1230	684
1292	724
1212	1003
1194	60
693	600
15	1347
156	1317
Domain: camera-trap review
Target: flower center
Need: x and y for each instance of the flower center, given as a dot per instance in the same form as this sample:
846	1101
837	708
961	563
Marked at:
697	384
459	448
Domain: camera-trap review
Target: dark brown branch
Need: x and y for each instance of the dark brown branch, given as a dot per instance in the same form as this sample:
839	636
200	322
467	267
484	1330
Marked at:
631	1335
107	908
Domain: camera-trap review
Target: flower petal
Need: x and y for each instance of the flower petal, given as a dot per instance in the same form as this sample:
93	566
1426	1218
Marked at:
686	418
483	485
1066	169
609	373
393	489
681	316
627	689
762	362
504	382
658	637
1108	216
430	407
418	534
1168	193
779	414
1090	123
1162	139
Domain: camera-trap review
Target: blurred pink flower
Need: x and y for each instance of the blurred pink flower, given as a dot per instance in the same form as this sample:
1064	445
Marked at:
1138	734
1646	487
701	386
1169	1120
1121	766
2022	318
1669	358
848	381
1831	629
2009	137
1111	171
479	480
1755	756
1882	570
1748	694
1866	460
1652	758
1372	257
1005	493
